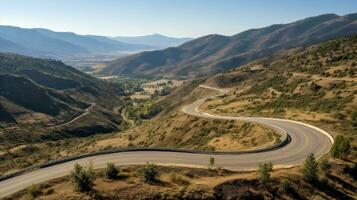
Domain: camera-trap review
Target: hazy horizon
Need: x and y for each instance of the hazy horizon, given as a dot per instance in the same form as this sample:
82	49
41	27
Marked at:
182	18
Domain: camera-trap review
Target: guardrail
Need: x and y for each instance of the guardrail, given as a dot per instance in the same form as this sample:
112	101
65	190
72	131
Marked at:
285	141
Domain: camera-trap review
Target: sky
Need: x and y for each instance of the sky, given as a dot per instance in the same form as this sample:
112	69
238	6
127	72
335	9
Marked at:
178	18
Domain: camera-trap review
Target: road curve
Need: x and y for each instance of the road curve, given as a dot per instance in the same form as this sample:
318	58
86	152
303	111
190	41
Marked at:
305	139
86	112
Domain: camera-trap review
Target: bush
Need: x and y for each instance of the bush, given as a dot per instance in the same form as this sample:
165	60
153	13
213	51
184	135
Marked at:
264	173
325	167
150	173
340	148
82	178
309	170
34	191
285	186
111	171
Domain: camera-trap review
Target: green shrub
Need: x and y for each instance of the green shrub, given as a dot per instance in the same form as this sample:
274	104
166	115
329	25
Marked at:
150	173
284	186
325	167
277	139
34	191
264	173
309	170
82	178
340	148
111	171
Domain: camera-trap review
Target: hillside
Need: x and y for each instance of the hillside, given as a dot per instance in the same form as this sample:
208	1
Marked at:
317	84
48	100
46	43
200	184
155	40
167	126
214	53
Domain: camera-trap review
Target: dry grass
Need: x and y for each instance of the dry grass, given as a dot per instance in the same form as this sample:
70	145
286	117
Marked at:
196	183
183	131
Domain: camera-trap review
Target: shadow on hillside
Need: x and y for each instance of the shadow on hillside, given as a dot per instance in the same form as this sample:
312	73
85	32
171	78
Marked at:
331	191
343	183
98	195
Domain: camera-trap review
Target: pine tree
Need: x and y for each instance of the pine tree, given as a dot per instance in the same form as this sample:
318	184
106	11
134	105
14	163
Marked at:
264	173
309	170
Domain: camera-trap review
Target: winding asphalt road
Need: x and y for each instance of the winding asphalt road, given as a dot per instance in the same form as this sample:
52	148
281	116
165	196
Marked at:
86	112
305	139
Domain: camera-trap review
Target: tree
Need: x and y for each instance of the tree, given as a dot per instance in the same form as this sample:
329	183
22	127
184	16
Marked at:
264	173
111	171
340	148
211	161
83	177
325	167
165	91
149	173
309	170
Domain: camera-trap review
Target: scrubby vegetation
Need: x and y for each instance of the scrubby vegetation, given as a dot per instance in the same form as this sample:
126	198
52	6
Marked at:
341	147
264	173
150	173
142	109
111	171
43	101
178	130
34	191
316	84
158	182
83	178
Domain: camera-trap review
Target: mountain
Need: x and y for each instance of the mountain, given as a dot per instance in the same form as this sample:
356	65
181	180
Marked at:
155	40
315	84
44	99
215	53
47	43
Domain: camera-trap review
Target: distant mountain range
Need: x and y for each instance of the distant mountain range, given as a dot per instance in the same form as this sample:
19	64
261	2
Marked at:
46	43
215	53
154	40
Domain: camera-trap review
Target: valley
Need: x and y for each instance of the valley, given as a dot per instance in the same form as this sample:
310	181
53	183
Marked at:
265	113
175	157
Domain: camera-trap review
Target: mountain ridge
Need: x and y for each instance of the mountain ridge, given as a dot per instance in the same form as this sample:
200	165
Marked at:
42	42
156	40
214	53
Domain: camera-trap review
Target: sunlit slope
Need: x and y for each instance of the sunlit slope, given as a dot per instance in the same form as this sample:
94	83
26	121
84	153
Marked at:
215	53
